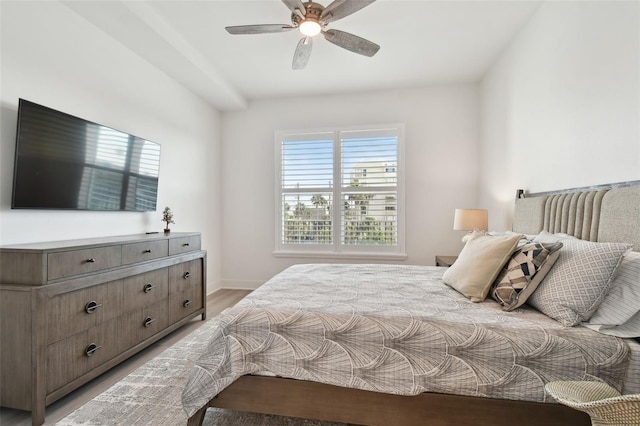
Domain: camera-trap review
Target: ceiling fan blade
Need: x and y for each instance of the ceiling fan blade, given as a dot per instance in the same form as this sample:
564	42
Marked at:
302	54
341	8
259	29
295	6
351	42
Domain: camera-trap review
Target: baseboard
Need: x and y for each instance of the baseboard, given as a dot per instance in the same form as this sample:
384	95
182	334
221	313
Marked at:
241	284
212	287
232	285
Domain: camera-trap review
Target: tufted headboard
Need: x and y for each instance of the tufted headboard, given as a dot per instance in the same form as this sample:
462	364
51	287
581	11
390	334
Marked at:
603	213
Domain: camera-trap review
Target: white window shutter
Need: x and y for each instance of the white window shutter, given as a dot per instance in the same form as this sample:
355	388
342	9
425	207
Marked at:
339	191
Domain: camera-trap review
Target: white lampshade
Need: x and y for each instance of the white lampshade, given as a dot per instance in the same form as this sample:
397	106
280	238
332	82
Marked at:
470	219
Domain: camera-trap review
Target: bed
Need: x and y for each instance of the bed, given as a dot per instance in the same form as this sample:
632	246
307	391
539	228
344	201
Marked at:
392	344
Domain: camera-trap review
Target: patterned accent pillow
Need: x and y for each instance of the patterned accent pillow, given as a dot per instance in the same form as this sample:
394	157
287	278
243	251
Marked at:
575	287
524	272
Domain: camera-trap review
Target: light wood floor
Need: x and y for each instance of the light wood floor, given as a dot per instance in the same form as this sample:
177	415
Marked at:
216	302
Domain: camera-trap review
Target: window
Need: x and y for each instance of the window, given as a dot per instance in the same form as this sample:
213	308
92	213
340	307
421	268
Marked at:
340	192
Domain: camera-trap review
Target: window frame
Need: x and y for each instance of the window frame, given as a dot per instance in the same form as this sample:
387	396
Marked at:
336	249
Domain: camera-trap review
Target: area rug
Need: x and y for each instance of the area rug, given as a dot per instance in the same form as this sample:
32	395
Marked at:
151	395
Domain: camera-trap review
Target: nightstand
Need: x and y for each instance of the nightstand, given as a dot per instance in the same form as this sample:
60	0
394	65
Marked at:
445	260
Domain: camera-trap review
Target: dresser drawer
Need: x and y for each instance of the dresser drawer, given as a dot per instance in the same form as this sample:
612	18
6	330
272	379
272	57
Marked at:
185	275
141	323
69	313
76	355
145	289
185	302
155	318
184	244
139	252
77	262
185	289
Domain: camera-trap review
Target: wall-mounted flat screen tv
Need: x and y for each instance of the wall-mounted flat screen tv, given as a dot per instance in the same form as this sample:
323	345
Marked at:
65	162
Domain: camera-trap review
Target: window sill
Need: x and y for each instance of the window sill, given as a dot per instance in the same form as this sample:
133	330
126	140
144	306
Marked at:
343	255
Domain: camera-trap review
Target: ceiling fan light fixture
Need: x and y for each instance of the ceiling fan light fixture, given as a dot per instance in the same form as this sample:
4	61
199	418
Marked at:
310	27
311	19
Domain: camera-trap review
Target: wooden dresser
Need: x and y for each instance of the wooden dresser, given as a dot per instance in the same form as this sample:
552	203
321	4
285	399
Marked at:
70	310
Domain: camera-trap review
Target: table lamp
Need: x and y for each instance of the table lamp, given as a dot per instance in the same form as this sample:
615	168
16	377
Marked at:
470	220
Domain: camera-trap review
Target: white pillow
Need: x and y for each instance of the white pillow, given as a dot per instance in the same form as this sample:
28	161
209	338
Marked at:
479	263
630	328
619	312
576	285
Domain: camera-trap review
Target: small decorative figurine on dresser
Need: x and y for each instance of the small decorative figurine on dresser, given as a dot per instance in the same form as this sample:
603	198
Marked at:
167	216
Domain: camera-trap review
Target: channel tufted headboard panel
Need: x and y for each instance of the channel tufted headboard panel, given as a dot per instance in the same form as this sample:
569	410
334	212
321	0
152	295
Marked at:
606	213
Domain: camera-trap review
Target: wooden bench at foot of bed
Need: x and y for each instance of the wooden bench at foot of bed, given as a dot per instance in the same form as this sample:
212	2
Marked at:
310	400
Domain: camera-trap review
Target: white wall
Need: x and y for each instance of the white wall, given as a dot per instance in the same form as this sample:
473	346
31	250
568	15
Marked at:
560	108
53	57
441	150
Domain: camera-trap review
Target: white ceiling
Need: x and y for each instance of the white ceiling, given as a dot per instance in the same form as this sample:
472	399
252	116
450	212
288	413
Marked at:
423	42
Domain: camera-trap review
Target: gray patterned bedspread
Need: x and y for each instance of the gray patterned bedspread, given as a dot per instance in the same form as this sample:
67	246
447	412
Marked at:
395	329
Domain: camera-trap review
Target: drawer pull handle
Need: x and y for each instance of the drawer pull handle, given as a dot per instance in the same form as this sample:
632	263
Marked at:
185	245
187	275
91	260
147	251
91	349
148	321
186	303
148	287
92	306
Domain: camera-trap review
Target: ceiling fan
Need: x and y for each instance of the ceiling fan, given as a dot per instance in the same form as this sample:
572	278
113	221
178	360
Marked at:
312	19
